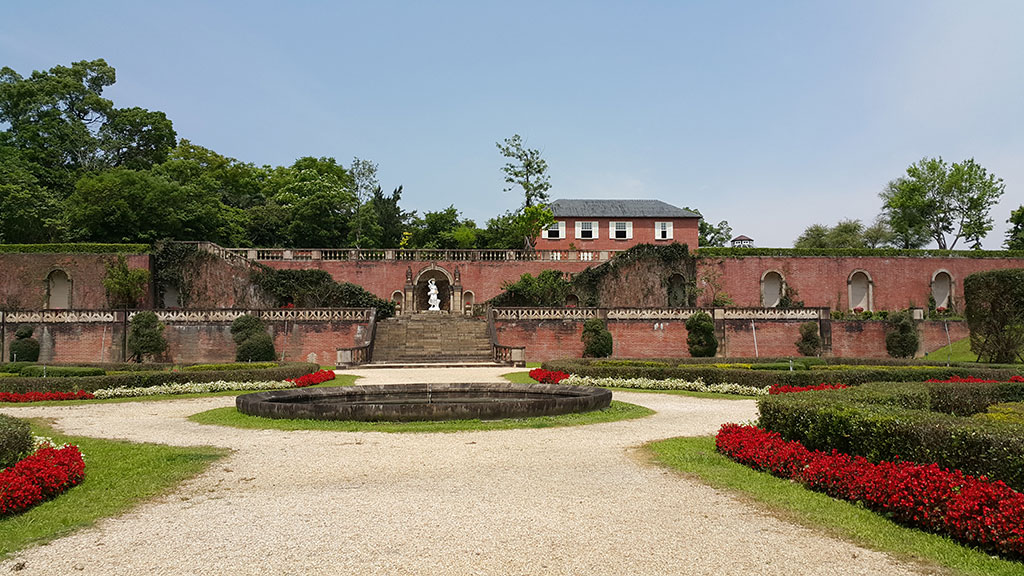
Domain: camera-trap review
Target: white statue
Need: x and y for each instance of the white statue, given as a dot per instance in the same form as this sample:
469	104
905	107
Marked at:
432	299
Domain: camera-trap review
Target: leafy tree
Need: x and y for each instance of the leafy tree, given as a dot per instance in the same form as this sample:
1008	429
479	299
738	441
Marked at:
901	338
145	336
381	220
364	180
549	288
879	234
125	286
845	234
700	335
995	314
1015	235
710	234
526	169
438	230
236	184
253	342
935	200
597	340
517	230
136	138
29	213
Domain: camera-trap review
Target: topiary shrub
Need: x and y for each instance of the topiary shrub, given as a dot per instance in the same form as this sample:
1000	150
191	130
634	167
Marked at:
901	338
809	343
700	335
15	440
597	340
24	348
995	314
145	337
256	348
254	344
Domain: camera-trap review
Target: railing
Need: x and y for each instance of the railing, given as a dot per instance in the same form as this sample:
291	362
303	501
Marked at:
657	314
512	355
399	255
544	313
353	356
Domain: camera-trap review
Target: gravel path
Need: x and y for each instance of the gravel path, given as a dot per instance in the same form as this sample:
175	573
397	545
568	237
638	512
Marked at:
579	500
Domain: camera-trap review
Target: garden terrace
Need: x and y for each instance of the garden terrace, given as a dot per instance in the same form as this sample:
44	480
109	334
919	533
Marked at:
920	422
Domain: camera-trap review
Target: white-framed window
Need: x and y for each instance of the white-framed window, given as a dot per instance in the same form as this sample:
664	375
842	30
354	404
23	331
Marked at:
620	230
662	230
586	230
555	232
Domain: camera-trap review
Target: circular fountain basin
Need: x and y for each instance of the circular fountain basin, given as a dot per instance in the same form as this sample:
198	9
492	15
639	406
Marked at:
414	402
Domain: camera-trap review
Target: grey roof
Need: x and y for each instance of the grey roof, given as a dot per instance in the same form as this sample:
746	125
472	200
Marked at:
573	208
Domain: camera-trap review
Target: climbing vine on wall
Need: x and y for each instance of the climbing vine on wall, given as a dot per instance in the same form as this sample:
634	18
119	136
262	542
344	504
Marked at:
317	289
175	264
670	260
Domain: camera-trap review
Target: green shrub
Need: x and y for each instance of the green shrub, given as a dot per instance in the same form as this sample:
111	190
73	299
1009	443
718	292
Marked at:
790	365
34	371
13	367
144	378
700	335
24	348
901	338
317	289
145	337
549	288
809	343
258	347
597	340
15	440
995	314
245	326
886	421
83	248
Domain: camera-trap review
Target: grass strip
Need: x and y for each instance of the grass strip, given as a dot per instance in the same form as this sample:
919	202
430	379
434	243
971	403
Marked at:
118	476
697	457
524	378
229	416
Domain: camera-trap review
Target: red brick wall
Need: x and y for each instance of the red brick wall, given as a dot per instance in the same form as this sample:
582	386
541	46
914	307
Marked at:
23	278
899	283
684	231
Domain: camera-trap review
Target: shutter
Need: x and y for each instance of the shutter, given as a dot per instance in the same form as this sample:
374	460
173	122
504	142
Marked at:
629	230
596	226
668	230
561	230
579	229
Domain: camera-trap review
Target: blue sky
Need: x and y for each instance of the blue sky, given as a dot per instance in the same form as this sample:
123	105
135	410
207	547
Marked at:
771	115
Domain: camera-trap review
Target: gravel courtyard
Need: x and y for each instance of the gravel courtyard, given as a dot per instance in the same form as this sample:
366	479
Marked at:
580	500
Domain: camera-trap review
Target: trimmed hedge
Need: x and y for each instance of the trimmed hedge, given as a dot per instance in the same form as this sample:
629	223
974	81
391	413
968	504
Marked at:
83	248
810	362
763	378
15	440
918	422
37	371
723	252
141	379
231	366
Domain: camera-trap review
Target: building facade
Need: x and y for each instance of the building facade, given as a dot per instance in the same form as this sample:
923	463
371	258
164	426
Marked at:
589	225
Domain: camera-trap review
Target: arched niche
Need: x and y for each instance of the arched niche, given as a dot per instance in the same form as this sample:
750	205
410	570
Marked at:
677	292
772	284
170	297
58	290
468	299
860	289
942	289
442	279
398	297
572	301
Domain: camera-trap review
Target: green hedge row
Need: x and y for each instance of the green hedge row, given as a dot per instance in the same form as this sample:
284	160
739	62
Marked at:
84	248
811	362
37	371
15	440
908	421
716	252
231	366
145	379
764	378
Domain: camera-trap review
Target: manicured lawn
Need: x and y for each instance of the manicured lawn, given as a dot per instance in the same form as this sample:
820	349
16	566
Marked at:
524	378
339	380
697	457
229	416
961	352
118	476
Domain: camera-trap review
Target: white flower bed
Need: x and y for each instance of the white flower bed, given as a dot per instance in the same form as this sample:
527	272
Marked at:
190	388
697	385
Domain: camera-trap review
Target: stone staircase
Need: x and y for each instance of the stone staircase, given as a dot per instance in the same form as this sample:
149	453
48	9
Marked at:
432	338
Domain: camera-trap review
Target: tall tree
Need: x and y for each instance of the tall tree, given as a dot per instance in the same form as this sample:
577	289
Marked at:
845	234
29	213
710	234
942	202
1015	235
526	169
364	180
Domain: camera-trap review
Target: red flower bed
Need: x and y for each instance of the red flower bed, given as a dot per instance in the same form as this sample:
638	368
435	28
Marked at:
973	380
40	477
314	378
40	396
780	389
547	376
973	510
